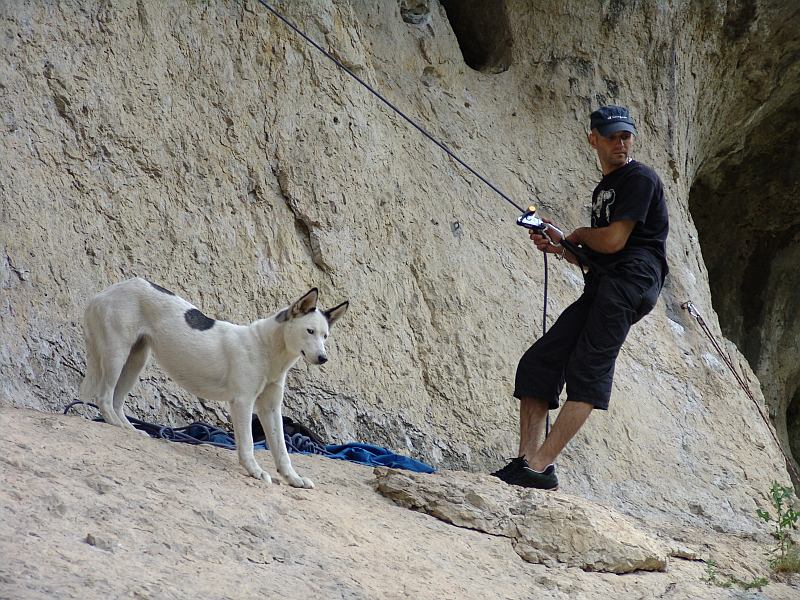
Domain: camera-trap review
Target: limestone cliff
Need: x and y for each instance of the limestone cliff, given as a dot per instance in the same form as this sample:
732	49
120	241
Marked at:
204	146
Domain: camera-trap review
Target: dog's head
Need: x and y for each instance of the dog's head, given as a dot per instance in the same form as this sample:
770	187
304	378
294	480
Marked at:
306	328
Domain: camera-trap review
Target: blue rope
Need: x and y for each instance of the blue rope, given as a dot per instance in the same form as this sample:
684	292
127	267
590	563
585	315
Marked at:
203	433
298	443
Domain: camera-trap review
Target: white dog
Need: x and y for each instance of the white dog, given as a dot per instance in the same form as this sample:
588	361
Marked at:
245	365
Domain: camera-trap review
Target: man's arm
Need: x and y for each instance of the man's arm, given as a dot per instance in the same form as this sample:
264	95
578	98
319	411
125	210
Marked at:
605	240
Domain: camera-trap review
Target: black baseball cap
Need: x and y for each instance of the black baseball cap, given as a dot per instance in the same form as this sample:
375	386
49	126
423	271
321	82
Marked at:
610	119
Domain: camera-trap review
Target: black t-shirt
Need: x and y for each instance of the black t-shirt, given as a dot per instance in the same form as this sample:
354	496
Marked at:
633	192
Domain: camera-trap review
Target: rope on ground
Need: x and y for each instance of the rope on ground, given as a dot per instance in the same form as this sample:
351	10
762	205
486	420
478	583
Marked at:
203	433
296	441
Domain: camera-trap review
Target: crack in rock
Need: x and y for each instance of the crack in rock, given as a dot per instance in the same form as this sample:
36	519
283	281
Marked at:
304	222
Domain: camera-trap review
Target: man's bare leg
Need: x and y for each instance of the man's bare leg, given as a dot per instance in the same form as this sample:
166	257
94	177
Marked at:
571	418
532	417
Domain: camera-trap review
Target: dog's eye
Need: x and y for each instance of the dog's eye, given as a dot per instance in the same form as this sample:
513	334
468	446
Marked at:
326	336
311	331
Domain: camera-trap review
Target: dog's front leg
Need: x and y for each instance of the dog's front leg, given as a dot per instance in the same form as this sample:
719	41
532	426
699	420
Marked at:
242	415
268	408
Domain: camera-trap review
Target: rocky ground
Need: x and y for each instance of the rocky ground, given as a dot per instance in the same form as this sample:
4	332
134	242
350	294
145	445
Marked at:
89	511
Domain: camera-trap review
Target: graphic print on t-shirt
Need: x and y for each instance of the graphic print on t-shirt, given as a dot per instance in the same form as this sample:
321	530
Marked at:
601	208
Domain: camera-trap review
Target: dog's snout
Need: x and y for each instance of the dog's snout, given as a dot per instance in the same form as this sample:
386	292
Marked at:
322	359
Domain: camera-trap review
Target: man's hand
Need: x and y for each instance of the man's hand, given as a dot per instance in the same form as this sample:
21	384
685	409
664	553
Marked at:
545	243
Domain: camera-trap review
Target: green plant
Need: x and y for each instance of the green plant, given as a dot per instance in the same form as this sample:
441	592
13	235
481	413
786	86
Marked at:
785	556
713	578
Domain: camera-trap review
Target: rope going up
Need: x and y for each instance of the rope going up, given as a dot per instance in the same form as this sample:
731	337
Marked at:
695	314
399	112
419	128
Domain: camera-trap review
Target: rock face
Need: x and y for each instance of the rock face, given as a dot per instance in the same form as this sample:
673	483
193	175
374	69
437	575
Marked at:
545	528
111	514
207	148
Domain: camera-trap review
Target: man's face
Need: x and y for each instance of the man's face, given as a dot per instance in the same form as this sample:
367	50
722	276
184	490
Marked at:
612	150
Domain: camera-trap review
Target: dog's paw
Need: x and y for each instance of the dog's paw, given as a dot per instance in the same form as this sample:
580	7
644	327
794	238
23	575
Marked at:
261	475
300	482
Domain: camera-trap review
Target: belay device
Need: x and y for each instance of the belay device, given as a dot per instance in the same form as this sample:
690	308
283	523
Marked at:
529	220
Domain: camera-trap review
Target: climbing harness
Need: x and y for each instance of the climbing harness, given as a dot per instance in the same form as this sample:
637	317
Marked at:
689	307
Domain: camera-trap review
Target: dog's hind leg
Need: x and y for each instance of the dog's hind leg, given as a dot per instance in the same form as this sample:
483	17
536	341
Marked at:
91	379
111	364
137	359
242	416
103	365
268	409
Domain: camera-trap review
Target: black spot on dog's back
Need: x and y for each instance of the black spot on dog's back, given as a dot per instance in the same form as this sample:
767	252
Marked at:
161	289
197	320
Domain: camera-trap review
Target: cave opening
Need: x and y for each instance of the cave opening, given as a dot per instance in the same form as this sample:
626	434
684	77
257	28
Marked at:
793	423
744	203
483	32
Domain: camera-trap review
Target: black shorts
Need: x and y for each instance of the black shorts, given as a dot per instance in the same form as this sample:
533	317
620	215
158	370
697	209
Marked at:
581	347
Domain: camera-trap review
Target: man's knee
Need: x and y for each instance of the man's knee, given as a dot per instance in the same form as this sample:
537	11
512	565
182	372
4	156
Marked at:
581	404
589	403
534	404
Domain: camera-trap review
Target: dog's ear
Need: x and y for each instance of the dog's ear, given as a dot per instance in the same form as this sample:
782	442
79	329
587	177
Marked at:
333	314
304	305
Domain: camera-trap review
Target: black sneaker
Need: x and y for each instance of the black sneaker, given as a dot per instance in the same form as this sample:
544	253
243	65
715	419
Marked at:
515	465
519	473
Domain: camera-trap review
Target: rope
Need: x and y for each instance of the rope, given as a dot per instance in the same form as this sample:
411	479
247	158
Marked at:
695	314
203	433
419	128
690	308
544	330
374	92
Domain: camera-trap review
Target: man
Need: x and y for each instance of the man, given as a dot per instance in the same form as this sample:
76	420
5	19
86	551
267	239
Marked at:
626	253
